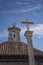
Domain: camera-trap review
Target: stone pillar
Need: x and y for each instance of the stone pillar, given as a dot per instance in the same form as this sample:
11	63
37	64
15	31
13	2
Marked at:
28	35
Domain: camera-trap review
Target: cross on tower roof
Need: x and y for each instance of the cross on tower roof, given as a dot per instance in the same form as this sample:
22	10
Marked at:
27	23
14	24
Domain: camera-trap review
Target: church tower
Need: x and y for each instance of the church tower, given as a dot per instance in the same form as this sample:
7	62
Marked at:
14	34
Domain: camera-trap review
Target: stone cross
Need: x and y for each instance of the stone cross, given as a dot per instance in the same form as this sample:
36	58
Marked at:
28	35
27	24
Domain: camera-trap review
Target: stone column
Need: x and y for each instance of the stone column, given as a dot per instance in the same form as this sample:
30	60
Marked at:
28	35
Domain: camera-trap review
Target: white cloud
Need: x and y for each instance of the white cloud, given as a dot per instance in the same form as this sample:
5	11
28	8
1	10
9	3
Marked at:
37	28
29	6
30	9
27	2
22	3
26	8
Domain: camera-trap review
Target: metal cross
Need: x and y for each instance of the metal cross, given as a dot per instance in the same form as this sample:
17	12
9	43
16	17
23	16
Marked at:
27	24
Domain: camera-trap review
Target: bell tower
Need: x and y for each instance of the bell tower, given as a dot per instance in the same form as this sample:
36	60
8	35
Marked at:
14	34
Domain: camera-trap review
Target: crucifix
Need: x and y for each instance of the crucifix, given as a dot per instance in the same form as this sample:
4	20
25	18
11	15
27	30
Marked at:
27	24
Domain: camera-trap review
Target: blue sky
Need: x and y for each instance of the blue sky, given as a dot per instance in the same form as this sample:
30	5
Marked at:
17	11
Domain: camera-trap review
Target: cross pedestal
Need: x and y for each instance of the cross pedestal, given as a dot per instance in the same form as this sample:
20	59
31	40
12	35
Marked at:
28	35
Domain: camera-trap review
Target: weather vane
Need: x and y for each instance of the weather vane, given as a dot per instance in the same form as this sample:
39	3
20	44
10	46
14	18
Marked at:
27	23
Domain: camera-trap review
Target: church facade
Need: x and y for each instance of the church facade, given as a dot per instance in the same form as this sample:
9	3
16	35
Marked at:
15	52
